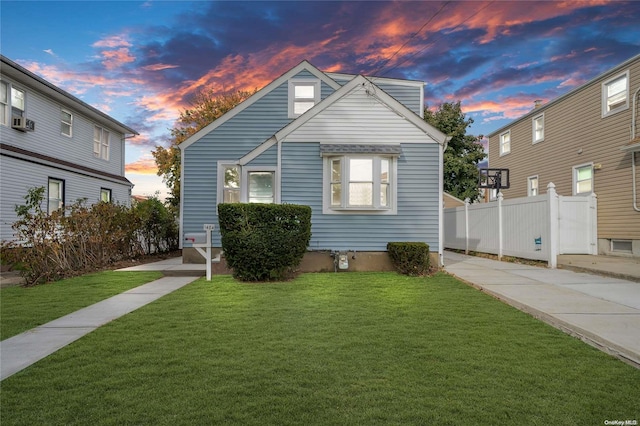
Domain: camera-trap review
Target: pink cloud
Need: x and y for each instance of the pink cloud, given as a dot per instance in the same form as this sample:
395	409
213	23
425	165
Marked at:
112	42
144	166
116	58
159	67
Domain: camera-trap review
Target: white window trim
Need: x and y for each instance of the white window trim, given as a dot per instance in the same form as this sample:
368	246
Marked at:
244	180
529	180
23	111
327	208
61	194
302	82
70	123
106	191
574	179
100	153
605	84
6	105
533	128
500	142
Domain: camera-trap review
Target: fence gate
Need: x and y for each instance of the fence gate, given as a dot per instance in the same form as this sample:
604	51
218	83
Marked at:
576	225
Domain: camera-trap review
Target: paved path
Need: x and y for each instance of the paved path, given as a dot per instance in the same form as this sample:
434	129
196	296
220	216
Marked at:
602	311
19	352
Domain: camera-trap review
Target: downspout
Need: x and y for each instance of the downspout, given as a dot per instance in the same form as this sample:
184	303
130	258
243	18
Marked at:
633	153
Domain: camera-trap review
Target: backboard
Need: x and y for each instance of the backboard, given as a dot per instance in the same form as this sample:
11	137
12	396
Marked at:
494	179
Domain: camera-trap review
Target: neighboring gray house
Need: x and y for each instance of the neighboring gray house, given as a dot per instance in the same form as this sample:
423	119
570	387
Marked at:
355	149
51	139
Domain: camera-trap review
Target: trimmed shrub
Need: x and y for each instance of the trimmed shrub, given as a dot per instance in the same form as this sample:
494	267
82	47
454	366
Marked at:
409	258
264	242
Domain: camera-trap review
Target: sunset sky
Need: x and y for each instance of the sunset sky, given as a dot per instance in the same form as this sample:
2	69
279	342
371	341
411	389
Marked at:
141	62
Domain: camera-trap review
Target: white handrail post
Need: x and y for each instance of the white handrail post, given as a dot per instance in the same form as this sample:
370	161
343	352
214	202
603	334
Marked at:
208	228
593	225
554	225
466	225
500	198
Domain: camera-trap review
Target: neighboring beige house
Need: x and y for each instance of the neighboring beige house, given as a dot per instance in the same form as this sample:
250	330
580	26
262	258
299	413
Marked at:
585	141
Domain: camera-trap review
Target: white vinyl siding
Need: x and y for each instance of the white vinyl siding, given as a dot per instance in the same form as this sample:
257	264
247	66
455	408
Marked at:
505	142
538	128
615	94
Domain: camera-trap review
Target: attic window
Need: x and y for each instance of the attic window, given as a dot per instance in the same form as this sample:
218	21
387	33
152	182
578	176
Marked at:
303	95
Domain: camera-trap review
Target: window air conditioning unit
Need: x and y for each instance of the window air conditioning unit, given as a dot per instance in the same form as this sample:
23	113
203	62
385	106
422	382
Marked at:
23	124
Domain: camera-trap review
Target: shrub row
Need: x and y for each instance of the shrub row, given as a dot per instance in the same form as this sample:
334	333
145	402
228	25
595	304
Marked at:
82	238
264	242
409	258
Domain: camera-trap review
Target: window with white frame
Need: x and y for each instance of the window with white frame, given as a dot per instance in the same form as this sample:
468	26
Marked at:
55	195
532	186
505	142
583	179
538	128
359	182
249	184
101	141
230	184
615	94
66	123
4	103
105	195
303	95
17	102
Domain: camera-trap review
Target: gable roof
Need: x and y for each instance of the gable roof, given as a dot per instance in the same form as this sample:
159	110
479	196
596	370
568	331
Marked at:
385	99
302	66
24	76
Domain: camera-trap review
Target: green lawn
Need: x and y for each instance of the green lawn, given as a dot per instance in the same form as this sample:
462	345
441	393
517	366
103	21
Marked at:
325	349
23	308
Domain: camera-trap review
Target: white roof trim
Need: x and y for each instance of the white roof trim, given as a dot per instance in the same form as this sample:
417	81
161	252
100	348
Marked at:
386	80
304	65
253	154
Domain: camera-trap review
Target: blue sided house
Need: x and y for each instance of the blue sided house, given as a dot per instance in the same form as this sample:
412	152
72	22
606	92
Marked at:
355	149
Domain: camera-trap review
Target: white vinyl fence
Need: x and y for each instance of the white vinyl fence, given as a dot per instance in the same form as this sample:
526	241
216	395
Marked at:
539	228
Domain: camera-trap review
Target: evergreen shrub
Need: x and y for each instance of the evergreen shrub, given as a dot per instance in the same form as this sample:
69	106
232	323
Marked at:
264	242
409	258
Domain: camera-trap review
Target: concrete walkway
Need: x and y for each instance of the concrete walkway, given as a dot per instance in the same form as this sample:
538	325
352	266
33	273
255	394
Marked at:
602	311
19	352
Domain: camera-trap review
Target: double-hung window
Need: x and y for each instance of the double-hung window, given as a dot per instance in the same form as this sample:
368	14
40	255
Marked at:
505	142
66	123
249	184
615	94
303	95
538	128
4	103
583	179
359	182
17	102
55	195
101	141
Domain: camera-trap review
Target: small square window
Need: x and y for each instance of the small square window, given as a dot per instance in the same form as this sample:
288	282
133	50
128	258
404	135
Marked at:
505	142
304	94
105	195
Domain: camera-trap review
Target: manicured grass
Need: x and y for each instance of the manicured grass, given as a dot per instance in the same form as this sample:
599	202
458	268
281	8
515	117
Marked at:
23	308
326	349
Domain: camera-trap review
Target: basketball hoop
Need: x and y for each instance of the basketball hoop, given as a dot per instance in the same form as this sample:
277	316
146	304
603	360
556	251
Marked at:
494	179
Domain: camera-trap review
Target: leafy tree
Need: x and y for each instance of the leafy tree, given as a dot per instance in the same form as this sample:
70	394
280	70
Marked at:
463	152
207	106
